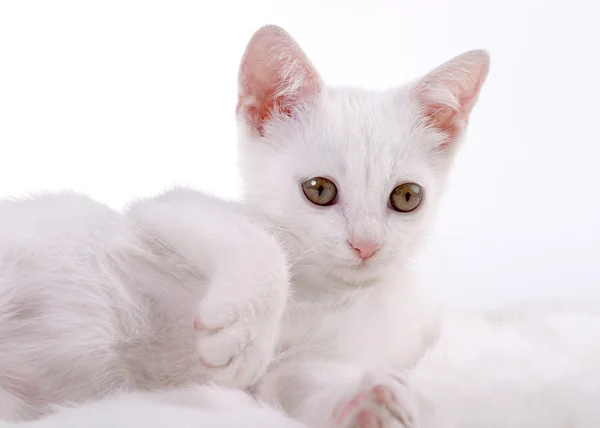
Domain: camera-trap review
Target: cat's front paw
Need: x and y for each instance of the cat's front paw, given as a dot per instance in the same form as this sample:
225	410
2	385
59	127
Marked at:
236	334
382	401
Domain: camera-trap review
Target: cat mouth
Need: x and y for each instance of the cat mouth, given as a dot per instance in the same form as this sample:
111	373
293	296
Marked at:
359	265
353	265
365	265
359	274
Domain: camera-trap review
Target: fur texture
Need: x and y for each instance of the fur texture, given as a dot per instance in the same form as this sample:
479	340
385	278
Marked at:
530	365
192	407
94	301
354	325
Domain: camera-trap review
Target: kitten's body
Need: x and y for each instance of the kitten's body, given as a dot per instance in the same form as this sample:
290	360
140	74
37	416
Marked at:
110	306
355	320
334	347
93	301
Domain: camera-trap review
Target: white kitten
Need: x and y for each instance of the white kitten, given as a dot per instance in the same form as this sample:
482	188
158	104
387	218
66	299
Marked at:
348	181
92	301
192	407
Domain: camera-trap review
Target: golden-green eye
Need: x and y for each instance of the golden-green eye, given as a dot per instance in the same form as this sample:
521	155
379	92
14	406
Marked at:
320	191
406	197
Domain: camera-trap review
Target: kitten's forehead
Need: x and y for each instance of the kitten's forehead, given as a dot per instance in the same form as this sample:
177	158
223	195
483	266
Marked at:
362	138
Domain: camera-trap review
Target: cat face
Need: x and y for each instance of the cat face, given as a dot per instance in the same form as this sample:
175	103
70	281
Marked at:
349	178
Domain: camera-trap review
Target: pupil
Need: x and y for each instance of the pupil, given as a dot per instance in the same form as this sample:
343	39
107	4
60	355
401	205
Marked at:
321	189
407	196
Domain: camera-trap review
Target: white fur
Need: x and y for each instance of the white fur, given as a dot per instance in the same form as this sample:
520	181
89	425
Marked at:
350	325
93	301
107	300
522	367
192	407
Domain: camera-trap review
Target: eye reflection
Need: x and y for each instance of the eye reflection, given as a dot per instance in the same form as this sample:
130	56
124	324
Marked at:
320	191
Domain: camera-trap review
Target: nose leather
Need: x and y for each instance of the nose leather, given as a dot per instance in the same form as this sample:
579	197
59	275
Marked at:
365	249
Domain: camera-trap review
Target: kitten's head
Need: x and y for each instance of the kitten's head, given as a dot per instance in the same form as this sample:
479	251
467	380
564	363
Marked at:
350	177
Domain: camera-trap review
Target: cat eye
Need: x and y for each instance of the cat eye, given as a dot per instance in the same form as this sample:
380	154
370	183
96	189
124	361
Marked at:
406	197
320	191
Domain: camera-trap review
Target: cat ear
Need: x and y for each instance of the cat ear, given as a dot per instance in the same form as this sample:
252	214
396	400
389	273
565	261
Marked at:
275	77
447	95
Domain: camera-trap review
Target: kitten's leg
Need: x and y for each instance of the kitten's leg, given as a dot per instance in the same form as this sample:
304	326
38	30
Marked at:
237	320
327	394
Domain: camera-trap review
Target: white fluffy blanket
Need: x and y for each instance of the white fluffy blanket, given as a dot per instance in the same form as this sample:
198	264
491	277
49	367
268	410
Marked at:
531	366
528	366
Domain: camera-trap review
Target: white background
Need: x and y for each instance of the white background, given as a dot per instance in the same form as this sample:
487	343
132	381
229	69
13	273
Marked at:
120	99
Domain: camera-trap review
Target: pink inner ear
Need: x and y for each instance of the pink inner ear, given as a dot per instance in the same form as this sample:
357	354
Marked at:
264	100
274	77
444	119
449	93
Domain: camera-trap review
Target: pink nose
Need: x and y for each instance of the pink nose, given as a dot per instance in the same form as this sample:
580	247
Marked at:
364	249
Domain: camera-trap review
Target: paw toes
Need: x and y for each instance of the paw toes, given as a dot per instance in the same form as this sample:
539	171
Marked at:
213	312
344	412
366	419
198	326
215	366
378	406
382	394
217	350
202	327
